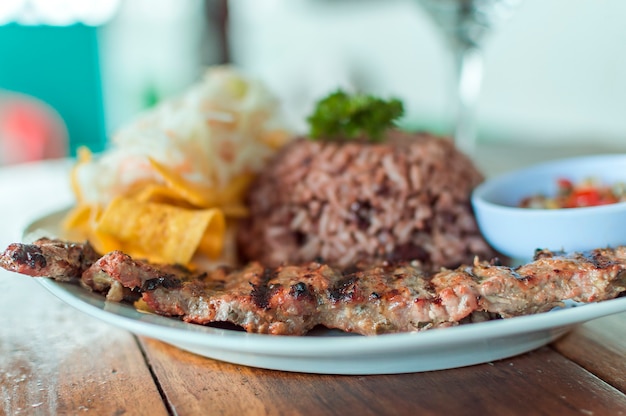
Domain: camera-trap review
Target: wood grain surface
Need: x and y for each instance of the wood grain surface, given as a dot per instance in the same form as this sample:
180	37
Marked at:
600	347
540	382
56	360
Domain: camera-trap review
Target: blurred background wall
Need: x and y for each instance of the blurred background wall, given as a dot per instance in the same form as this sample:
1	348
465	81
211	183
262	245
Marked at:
556	71
50	78
86	67
554	74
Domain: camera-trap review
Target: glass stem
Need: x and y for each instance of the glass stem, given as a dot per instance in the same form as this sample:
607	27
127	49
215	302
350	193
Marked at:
469	71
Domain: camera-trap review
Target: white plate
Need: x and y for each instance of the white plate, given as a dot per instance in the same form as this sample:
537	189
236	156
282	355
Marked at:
332	352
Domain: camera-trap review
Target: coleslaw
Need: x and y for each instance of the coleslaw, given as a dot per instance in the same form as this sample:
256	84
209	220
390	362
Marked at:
225	126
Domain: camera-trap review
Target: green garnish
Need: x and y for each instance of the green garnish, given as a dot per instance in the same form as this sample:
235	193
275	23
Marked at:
342	117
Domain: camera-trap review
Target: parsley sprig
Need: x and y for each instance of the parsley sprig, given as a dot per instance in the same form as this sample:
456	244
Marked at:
340	116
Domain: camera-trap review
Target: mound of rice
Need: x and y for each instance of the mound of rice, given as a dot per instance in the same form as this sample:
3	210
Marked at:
353	202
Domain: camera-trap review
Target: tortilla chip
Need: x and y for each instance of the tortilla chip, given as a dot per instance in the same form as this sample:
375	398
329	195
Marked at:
78	218
202	196
197	195
162	194
234	192
103	242
235	211
162	232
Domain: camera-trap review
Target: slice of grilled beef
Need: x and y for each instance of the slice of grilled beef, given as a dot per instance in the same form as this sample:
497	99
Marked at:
551	278
389	299
292	299
59	260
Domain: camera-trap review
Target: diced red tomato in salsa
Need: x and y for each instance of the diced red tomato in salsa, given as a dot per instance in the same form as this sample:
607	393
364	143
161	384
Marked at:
588	193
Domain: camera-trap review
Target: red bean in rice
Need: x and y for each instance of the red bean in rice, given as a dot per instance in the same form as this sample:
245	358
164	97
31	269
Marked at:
404	199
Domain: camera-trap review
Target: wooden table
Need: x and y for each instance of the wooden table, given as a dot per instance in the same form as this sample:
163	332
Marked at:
56	360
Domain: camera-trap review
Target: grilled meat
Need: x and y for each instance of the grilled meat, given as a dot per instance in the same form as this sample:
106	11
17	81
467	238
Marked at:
539	286
59	260
292	299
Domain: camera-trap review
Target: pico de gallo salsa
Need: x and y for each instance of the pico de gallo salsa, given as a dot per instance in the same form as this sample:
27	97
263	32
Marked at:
587	193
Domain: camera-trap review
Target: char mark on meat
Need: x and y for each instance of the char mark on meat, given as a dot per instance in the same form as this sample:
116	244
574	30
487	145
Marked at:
120	276
550	279
343	290
396	298
262	290
56	259
237	298
292	299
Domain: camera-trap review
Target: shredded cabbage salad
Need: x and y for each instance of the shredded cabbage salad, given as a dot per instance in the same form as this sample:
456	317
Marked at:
226	125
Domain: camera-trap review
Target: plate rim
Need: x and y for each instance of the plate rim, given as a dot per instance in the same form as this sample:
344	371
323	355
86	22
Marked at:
568	316
283	352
